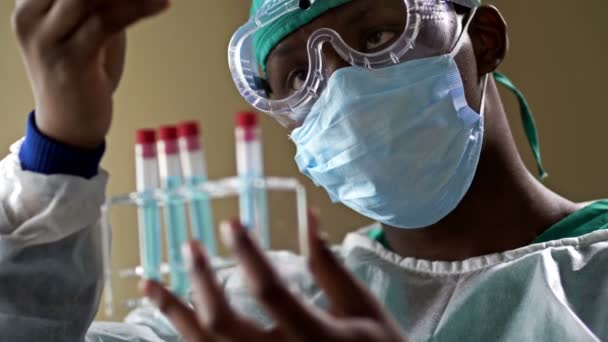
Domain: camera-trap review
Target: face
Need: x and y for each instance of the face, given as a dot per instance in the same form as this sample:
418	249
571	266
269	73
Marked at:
370	26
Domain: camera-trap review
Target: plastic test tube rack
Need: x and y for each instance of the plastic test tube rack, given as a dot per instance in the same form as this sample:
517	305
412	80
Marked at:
213	190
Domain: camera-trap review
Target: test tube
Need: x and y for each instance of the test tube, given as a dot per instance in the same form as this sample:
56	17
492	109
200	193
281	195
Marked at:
194	169
253	204
146	168
175	211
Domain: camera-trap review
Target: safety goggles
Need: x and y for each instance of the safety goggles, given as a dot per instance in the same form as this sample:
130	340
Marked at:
287	80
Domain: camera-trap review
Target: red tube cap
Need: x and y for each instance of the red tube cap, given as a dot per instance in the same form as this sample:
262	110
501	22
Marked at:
246	120
167	133
188	129
146	136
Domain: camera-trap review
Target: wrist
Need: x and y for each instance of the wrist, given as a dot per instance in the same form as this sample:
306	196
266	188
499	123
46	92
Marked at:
83	133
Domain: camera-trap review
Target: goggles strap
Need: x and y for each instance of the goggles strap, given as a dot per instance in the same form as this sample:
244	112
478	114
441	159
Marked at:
527	119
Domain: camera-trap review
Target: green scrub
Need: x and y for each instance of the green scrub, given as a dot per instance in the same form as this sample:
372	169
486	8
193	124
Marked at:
591	218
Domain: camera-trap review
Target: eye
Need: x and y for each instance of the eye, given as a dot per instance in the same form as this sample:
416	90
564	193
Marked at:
296	80
379	39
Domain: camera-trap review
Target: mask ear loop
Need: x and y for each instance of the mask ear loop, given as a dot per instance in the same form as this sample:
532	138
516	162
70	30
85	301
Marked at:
460	40
455	51
484	93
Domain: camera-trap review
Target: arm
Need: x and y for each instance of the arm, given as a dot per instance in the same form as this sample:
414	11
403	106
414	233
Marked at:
50	264
51	192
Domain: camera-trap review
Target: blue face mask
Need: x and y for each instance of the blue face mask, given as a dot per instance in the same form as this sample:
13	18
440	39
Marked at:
399	145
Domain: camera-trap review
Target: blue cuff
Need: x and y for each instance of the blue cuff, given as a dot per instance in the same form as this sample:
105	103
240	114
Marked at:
44	155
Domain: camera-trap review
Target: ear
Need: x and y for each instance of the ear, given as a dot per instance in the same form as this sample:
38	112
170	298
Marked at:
488	32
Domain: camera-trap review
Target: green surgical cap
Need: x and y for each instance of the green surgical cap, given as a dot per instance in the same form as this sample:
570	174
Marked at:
268	37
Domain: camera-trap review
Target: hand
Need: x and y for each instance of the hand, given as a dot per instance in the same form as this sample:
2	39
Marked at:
354	314
74	52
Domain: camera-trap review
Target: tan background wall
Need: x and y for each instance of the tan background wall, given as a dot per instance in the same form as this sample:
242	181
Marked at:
177	70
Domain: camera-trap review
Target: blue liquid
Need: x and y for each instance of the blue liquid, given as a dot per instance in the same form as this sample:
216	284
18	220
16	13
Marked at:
177	235
253	209
149	237
201	218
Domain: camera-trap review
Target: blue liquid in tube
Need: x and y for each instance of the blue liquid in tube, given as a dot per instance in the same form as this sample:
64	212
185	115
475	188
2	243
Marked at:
201	217
177	235
149	236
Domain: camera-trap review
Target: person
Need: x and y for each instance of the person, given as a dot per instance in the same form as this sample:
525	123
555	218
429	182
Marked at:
392	111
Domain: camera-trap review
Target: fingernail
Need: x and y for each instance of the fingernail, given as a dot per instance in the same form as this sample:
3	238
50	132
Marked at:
141	286
324	237
227	233
150	290
322	241
154	293
188	255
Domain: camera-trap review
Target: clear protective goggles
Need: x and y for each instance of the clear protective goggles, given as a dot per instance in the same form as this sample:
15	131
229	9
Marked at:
371	34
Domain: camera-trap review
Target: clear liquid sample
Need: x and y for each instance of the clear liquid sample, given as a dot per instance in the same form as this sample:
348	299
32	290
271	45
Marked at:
261	210
246	202
253	209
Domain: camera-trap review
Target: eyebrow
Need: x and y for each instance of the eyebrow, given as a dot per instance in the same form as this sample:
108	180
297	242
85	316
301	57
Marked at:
282	50
359	13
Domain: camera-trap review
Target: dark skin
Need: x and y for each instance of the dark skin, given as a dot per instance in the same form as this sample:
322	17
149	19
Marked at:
506	206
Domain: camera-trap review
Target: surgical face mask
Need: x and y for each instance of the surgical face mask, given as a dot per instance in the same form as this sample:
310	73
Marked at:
399	144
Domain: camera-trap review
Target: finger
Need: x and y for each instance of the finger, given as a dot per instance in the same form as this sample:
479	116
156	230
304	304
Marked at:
298	319
33	8
64	17
112	18
115	57
27	14
182	317
210	302
338	283
118	14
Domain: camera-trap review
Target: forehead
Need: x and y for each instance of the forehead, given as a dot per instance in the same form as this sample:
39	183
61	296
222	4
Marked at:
434	32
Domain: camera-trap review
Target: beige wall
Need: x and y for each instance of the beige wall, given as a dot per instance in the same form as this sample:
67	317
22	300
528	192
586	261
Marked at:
177	69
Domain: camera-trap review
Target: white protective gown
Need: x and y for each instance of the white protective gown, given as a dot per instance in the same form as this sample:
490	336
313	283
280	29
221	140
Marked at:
50	278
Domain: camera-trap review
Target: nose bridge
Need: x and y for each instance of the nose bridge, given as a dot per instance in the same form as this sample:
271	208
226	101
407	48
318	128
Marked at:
333	61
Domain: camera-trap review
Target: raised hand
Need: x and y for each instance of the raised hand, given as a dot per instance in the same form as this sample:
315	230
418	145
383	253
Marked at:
354	314
74	53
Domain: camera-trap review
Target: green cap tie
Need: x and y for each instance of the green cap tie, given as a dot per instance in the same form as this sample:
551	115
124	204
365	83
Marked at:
528	121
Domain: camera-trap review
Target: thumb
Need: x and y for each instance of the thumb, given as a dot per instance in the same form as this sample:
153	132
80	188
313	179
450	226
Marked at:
112	17
115	53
